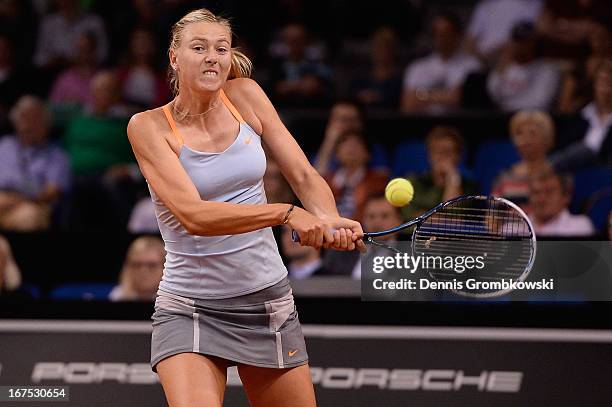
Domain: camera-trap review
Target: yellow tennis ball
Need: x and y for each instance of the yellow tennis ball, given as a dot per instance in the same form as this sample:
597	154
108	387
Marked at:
399	192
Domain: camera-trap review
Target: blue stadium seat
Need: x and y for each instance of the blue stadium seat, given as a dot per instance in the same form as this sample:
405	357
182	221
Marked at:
379	158
410	157
82	291
491	158
599	206
586	183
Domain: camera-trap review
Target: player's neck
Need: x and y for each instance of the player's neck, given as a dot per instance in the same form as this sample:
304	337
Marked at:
191	105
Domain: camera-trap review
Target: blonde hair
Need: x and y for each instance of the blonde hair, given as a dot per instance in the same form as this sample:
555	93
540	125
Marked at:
540	119
241	64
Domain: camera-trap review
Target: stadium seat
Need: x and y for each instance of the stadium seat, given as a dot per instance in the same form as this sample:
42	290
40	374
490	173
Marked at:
379	157
82	291
599	206
586	183
410	157
491	158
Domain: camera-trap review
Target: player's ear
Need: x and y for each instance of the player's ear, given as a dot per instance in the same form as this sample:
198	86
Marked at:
172	58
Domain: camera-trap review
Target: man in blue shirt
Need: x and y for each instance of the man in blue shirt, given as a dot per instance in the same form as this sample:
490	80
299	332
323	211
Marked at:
33	172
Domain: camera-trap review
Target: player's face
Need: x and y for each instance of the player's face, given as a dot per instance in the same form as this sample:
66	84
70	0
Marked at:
204	57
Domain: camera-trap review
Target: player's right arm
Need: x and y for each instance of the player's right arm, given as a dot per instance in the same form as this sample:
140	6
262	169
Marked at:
165	174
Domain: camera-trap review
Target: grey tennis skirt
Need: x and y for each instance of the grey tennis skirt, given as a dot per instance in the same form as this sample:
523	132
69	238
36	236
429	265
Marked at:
258	329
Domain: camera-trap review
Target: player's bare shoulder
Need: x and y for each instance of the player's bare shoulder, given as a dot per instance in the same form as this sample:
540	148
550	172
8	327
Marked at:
144	122
148	127
249	99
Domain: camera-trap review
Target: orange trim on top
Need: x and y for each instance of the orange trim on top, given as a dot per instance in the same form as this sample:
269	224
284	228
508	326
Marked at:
175	131
230	106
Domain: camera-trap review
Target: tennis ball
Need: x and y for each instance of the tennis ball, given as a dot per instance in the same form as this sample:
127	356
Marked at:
399	192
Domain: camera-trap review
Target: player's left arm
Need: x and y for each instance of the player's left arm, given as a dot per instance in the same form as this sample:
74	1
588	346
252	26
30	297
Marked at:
308	185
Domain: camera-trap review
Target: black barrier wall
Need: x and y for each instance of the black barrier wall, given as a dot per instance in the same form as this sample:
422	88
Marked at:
106	364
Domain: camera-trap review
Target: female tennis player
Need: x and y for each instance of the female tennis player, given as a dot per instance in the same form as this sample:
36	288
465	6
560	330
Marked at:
224	298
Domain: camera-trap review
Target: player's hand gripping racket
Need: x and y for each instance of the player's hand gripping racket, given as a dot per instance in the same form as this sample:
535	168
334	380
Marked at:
487	226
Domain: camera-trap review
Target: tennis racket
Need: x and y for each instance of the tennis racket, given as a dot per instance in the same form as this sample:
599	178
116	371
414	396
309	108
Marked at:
473	225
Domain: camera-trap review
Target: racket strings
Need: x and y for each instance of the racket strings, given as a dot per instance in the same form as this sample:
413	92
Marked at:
487	228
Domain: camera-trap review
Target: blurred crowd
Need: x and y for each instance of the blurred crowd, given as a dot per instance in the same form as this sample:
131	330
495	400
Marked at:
72	72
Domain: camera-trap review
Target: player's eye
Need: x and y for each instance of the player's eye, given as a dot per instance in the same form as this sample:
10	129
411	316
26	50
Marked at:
222	50
198	48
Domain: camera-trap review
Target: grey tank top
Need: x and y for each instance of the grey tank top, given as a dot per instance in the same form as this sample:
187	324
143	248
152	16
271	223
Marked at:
208	267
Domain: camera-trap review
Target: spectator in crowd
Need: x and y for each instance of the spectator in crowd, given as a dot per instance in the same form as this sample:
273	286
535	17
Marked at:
10	276
34	173
381	87
345	116
533	135
492	22
303	261
59	33
142	83
433	83
378	215
566	25
142	270
522	79
592	131
102	161
444	181
71	89
354	180
299	78
576	89
550	194
96	140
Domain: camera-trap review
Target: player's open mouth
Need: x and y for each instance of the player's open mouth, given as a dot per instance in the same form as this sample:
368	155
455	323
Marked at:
212	74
